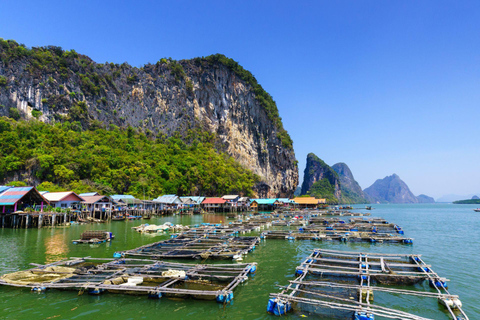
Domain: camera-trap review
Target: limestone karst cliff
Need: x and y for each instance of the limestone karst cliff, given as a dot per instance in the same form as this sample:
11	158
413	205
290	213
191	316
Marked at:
351	190
390	189
162	99
320	180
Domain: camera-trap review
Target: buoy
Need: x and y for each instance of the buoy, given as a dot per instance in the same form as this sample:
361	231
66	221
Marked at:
95	291
453	303
271	305
154	295
363	316
117	255
438	283
281	308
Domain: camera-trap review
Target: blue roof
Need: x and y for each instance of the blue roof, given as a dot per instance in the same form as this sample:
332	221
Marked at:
3	188
11	196
122	196
265	201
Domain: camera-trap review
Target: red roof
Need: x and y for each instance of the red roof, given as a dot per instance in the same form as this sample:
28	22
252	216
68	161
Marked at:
214	201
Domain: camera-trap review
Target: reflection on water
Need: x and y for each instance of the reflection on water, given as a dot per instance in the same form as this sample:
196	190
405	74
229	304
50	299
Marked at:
446	235
55	248
214	218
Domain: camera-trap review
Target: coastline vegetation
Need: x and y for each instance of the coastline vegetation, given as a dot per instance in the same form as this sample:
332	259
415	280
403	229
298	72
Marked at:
468	201
113	160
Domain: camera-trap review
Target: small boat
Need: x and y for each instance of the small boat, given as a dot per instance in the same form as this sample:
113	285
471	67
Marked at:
94	237
129	217
118	218
368	207
476	210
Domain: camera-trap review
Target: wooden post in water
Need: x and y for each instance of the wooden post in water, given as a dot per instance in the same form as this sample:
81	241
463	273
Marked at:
40	220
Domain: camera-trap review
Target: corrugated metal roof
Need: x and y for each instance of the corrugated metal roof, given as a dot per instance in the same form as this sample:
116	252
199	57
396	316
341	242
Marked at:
243	199
168	199
3	188
265	201
214	201
198	200
308	200
93	199
187	200
230	197
130	200
88	194
59	196
12	195
122	196
285	200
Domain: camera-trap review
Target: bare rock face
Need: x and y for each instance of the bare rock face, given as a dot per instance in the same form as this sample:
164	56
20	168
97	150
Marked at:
320	179
162	99
351	190
422	198
390	189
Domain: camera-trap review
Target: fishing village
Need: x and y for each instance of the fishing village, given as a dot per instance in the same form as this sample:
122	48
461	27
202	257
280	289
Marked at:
242	160
205	261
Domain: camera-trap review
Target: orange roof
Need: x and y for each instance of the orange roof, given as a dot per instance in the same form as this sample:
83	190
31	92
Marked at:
308	200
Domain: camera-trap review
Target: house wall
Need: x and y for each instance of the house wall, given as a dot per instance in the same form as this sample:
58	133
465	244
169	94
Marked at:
66	204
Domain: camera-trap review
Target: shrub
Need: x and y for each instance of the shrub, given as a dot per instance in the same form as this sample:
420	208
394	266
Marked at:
16	184
189	86
14	113
3	81
36	113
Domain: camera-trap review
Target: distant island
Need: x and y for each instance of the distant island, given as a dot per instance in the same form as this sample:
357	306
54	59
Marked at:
392	189
468	201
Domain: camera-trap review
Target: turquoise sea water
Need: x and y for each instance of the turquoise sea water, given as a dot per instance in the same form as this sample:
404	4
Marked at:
447	236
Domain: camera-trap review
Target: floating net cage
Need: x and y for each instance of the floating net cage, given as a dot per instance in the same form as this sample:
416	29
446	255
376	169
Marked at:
342	285
136	276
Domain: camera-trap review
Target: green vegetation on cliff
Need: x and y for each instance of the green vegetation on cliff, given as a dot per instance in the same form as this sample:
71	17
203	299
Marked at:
114	160
320	180
323	189
54	64
468	201
263	97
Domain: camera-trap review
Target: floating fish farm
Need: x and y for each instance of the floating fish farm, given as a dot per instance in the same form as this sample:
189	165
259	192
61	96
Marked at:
372	230
135	276
342	285
201	247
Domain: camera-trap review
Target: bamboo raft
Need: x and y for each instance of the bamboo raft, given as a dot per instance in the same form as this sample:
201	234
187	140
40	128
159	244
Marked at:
194	248
342	284
134	276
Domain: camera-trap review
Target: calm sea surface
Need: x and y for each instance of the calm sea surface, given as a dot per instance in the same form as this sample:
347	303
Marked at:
447	236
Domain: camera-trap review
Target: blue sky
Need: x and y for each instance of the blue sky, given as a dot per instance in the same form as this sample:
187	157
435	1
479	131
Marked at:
384	86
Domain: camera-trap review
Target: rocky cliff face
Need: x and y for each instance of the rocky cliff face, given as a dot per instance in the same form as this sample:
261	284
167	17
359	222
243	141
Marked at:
425	199
320	179
351	190
165	98
390	189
